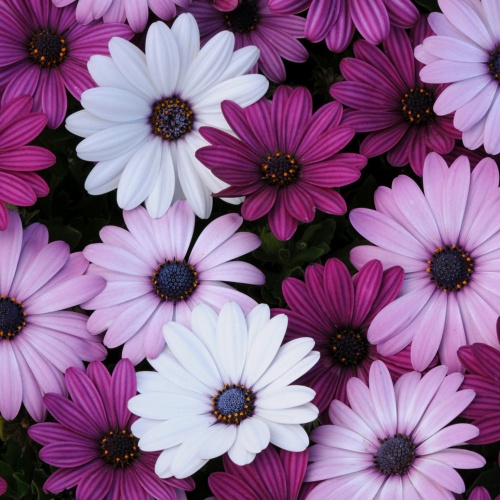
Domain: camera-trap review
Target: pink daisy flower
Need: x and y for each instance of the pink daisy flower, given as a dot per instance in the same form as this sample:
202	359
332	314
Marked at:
19	184
466	53
152	280
45	52
276	162
104	460
39	340
336	310
394	441
447	240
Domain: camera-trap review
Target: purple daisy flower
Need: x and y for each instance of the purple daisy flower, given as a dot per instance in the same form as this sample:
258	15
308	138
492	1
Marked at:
19	184
92	443
388	100
336	310
277	163
483	364
254	24
151	280
466	54
45	51
40	341
392	442
447	240
271	475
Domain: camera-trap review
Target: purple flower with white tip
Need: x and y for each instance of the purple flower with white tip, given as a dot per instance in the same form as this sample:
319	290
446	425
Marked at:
91	441
151	279
394	441
39	341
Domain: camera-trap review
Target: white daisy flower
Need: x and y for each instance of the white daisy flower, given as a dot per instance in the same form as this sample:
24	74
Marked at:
224	387
141	124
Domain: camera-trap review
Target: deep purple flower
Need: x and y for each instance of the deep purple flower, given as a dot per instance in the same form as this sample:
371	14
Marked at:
286	161
3	485
254	24
92	443
39	340
389	100
45	51
335	20
271	475
483	365
481	493
336	311
19	184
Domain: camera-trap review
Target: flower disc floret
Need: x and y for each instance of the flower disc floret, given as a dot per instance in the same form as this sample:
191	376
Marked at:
12	317
233	404
450	268
395	455
417	105
280	169
244	18
349	347
119	448
47	48
175	280
171	118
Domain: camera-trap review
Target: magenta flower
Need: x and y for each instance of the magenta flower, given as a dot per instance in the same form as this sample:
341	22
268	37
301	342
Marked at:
92	443
3	485
19	184
447	240
151	280
335	310
334	20
44	52
276	162
271	475
392	103
483	364
481	493
254	24
392	442
40	341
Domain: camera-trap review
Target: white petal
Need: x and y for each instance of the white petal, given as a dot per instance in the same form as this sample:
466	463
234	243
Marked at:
296	415
216	441
285	397
83	123
186	32
253	435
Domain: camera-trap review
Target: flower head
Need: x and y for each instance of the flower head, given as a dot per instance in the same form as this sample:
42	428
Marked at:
392	442
19	184
336	311
223	386
39	340
466	53
253	23
91	441
392	103
45	51
447	240
151	278
141	123
286	160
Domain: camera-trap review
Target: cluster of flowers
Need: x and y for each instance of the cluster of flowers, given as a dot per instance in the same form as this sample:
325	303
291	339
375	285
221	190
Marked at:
376	361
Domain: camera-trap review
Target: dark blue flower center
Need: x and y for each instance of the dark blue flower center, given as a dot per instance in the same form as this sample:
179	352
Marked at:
175	280
244	18
494	64
450	267
47	48
395	455
280	169
233	403
417	106
349	347
12	317
171	118
119	448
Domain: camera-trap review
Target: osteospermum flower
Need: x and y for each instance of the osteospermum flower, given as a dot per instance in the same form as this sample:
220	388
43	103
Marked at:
141	124
447	240
104	460
393	104
136	12
45	51
466	53
40	341
253	23
286	160
19	184
151	279
271	475
223	386
394	442
336	310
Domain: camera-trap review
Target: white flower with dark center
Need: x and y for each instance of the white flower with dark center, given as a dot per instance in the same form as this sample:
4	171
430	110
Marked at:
224	387
141	123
